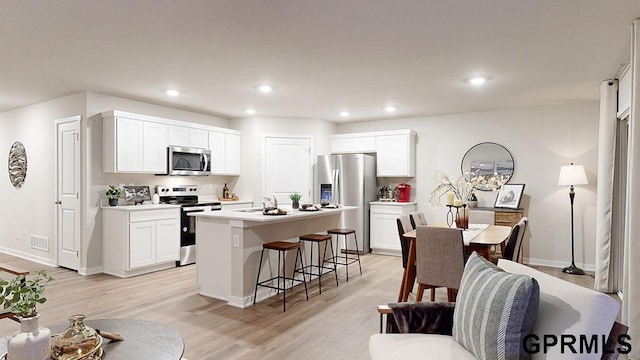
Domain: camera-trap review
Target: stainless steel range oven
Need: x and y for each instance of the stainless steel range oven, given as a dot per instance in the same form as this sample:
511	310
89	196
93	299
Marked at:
187	197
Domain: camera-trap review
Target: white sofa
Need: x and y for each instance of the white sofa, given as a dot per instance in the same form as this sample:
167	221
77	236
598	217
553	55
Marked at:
564	309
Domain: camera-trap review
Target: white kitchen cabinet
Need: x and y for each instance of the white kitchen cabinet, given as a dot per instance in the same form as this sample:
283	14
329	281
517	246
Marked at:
352	144
137	143
198	138
225	153
187	136
128	146
134	146
154	144
383	232
396	155
178	135
140	241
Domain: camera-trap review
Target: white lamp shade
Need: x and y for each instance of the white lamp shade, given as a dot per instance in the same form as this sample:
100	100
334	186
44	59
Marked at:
572	175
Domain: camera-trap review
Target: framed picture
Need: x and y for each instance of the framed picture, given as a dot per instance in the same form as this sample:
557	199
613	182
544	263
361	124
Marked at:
137	194
509	196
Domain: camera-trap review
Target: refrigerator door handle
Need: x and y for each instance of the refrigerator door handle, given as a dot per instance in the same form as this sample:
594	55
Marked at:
336	188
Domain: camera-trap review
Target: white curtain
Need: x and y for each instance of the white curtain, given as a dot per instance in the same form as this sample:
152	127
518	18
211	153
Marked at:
631	289
606	162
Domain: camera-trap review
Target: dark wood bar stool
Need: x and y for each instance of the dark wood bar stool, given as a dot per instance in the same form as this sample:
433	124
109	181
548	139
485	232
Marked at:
347	259
318	239
282	247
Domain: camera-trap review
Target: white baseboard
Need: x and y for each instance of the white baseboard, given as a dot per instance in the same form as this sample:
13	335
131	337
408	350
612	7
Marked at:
91	271
30	257
557	264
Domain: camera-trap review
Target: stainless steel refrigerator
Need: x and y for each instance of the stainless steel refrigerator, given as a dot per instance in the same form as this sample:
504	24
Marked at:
348	179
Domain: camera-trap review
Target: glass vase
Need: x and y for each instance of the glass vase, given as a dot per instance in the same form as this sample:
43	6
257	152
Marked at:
31	342
78	341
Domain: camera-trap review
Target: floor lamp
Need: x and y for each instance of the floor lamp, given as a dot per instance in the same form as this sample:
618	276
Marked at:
572	175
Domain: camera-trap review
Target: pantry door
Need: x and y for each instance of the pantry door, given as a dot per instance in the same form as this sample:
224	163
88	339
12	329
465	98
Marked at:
68	192
287	168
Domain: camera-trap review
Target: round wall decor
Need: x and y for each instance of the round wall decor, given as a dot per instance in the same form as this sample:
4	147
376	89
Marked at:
17	164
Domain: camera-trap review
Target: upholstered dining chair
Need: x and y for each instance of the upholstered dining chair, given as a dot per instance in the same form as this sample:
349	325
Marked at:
439	259
417	218
514	244
404	226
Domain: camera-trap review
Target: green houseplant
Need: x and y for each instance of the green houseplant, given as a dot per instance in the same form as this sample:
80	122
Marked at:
295	198
113	193
21	296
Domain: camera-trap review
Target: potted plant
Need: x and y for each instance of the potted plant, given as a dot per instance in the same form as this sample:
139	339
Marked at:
295	198
113	193
21	296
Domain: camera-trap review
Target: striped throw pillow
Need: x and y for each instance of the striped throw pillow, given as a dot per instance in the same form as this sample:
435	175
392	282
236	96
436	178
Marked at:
494	311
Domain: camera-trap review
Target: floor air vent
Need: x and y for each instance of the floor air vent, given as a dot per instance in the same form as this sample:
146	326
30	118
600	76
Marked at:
40	242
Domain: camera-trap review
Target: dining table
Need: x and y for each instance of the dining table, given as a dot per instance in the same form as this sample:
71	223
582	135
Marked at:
478	237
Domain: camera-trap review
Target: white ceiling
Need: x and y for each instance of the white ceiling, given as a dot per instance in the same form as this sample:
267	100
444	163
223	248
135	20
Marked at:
323	56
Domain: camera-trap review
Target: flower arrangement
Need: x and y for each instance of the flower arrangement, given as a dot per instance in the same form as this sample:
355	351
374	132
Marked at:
489	182
113	192
461	187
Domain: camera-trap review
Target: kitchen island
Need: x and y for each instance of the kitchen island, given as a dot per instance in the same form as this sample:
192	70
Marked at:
230	243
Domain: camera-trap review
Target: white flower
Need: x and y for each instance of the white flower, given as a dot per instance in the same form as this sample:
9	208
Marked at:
461	187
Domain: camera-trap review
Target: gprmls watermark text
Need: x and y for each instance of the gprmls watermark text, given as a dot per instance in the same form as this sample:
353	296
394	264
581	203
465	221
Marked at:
580	344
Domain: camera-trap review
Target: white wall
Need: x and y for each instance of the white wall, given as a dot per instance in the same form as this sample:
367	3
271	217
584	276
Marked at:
30	210
254	130
540	140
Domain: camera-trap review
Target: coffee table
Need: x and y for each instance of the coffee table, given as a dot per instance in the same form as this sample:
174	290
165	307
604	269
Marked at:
143	340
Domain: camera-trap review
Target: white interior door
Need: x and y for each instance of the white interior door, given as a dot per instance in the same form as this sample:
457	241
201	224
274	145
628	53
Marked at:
68	192
287	168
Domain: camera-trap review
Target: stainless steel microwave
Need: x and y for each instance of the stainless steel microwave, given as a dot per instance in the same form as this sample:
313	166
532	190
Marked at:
189	161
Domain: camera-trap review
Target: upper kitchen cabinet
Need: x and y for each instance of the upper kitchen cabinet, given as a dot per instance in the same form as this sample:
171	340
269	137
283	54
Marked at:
136	143
396	154
187	136
134	146
395	150
225	152
341	144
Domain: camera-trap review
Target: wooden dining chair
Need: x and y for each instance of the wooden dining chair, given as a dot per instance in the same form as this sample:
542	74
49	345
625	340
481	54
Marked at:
404	226
482	217
439	259
514	244
417	218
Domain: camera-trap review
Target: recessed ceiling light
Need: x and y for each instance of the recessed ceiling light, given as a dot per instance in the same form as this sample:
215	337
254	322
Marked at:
344	113
250	111
173	92
479	80
265	88
390	109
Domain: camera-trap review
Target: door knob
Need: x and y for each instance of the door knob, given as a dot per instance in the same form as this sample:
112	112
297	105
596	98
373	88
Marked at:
58	202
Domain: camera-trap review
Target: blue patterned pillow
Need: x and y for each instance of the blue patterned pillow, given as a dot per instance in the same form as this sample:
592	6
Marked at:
494	311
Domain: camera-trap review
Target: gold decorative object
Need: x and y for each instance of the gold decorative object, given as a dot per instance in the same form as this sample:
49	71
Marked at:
77	342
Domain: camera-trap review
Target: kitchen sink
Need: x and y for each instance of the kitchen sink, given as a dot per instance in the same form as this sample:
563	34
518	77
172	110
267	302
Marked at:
249	210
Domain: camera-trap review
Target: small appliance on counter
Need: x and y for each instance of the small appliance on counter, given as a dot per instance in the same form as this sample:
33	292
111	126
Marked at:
387	193
404	192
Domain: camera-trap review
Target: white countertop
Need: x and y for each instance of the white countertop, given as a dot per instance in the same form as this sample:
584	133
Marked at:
392	203
257	216
142	207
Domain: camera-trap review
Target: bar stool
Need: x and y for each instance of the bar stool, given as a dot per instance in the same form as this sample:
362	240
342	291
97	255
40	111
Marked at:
347	259
317	239
282	247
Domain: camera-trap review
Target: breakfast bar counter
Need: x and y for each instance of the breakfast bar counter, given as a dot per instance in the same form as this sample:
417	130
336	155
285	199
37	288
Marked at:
230	243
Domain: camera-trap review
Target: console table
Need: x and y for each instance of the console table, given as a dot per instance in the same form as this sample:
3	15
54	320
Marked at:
504	217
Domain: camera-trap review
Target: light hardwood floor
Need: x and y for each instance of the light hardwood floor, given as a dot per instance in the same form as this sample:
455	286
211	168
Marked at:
334	325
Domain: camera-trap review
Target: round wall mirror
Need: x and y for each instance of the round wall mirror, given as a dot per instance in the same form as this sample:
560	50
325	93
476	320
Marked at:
488	166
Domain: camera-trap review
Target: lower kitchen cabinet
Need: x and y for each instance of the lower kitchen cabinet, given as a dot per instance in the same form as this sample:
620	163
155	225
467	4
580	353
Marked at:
136	241
383	228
